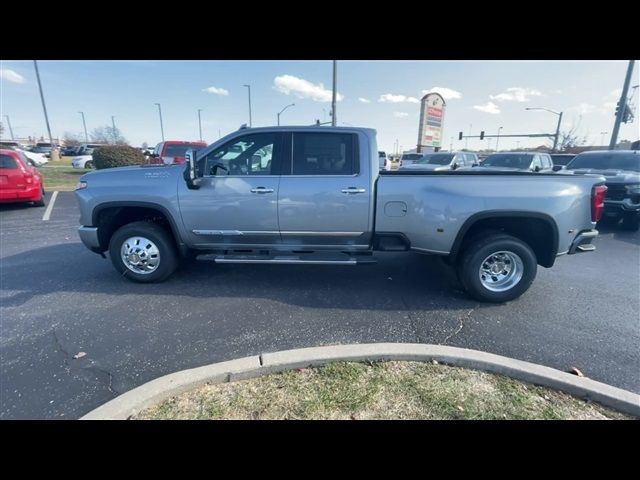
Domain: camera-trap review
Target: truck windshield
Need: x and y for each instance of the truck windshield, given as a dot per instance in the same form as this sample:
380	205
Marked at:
606	161
510	160
180	150
437	158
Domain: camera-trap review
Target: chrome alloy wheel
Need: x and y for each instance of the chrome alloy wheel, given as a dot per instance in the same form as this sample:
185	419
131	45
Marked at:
140	255
501	271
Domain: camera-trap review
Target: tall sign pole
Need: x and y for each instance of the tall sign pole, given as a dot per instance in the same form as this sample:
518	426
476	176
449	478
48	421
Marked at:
432	108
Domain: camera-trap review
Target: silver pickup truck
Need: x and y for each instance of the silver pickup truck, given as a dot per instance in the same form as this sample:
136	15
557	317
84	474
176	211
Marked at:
315	195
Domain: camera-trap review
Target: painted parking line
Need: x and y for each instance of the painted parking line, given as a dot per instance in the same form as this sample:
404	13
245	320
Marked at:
47	212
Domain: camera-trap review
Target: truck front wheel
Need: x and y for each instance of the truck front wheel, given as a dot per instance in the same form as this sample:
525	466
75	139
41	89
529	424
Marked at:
497	268
143	252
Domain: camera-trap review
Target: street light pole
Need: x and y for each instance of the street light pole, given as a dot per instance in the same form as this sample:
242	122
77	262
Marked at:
602	138
557	135
622	106
555	141
291	105
498	139
84	124
9	124
333	96
44	106
249	90
200	123
161	126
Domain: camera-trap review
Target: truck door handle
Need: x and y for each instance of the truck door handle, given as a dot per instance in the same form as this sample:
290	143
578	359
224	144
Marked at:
352	190
261	190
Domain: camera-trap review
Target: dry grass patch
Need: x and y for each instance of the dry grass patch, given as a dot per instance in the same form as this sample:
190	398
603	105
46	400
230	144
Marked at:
384	390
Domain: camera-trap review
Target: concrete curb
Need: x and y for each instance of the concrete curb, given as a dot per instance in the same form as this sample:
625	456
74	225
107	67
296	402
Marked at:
155	391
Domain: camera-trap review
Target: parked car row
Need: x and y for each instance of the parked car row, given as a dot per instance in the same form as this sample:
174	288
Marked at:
33	159
621	168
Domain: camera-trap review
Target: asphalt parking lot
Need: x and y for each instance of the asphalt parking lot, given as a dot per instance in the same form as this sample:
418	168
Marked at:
58	299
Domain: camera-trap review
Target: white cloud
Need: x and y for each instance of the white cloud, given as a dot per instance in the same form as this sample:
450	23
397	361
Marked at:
613	94
216	90
489	107
584	108
11	76
302	88
364	100
447	93
391	98
517	94
400	114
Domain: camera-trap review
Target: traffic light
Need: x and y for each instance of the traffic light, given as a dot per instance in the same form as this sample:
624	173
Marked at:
617	109
460	136
482	135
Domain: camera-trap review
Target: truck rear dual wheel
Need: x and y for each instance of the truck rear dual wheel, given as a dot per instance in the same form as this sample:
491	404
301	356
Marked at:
497	268
143	252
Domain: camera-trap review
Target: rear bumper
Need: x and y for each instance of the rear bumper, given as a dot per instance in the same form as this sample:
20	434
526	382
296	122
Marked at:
613	207
28	195
582	243
89	236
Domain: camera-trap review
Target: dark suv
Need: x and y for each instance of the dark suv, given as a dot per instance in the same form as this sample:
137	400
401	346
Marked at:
622	171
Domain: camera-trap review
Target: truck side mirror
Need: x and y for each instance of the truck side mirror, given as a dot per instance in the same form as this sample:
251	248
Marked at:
191	172
454	166
557	168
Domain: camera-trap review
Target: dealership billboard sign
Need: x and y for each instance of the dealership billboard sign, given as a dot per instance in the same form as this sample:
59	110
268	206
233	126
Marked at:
431	122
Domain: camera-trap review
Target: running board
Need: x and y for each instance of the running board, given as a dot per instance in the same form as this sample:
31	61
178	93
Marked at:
315	259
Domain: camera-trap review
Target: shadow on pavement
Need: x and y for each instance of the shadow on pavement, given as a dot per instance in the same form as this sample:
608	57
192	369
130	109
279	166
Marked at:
420	282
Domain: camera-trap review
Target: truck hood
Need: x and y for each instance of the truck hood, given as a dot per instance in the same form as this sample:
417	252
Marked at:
134	175
612	176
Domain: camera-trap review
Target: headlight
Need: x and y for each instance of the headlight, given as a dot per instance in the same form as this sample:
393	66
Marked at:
635	188
81	185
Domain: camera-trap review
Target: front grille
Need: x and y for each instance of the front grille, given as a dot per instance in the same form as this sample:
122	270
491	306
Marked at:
615	192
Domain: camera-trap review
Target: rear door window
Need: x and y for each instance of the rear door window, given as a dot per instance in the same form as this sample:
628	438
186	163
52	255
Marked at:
324	154
8	162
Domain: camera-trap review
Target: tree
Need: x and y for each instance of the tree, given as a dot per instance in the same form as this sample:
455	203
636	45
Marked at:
108	134
569	140
71	139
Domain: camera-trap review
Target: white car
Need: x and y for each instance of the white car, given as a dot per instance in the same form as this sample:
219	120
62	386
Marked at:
36	159
82	161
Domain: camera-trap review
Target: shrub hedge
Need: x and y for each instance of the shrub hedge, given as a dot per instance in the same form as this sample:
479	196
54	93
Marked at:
117	156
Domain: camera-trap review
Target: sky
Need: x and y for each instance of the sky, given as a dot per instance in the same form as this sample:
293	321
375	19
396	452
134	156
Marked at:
479	95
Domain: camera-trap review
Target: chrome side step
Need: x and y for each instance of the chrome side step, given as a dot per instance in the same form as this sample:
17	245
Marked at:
283	260
302	259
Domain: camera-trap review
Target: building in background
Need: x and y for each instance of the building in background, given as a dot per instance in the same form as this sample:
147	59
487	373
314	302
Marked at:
431	123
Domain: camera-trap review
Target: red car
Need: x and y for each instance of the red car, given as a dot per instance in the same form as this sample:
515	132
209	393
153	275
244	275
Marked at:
19	181
172	151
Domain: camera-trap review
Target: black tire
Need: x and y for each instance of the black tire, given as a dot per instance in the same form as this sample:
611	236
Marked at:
89	164
631	222
41	202
159	236
477	250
